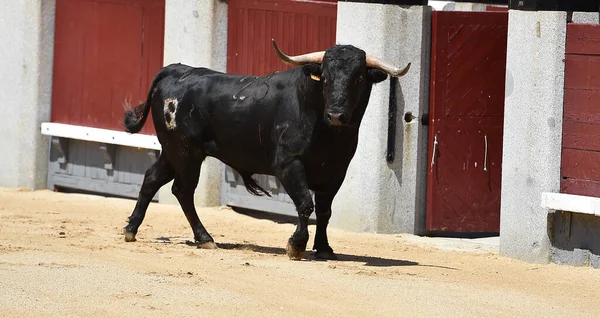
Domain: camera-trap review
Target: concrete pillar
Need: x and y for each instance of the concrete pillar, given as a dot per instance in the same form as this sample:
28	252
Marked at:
469	6
586	17
26	58
196	34
442	5
377	196
532	130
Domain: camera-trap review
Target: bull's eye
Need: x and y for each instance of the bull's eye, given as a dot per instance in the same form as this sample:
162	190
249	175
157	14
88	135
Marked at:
359	79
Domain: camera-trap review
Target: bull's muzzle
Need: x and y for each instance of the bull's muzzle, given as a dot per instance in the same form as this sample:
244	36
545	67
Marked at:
336	118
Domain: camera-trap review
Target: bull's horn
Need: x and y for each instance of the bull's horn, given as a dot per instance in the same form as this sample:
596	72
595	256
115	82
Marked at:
386	67
315	57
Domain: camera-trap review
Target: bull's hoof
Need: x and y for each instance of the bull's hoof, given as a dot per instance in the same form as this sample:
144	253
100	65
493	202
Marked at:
129	236
326	255
292	253
207	245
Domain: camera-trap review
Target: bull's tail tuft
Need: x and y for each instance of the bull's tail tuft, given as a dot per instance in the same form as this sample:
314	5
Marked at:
134	118
253	187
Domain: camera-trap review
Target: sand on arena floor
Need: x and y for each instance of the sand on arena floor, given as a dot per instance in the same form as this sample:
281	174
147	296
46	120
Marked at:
64	255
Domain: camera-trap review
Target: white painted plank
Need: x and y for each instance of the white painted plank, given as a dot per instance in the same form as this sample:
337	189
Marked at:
101	135
571	203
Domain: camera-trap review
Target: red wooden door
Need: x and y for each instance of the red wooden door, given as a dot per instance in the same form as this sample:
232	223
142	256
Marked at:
298	26
580	171
466	120
105	52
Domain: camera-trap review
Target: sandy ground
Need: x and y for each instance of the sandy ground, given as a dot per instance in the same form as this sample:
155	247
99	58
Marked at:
64	255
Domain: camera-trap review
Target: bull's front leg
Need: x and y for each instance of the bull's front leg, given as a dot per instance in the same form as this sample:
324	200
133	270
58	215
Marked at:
293	179
323	211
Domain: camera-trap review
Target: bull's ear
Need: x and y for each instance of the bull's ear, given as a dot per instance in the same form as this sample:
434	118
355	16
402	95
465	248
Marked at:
376	75
312	70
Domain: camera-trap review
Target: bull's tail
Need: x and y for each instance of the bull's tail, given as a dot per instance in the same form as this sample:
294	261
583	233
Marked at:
135	118
133	121
253	187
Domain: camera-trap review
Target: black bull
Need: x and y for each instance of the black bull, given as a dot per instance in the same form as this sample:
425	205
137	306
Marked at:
300	125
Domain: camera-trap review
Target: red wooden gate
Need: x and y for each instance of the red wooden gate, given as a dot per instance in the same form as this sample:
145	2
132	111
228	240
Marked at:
298	26
466	120
581	120
105	51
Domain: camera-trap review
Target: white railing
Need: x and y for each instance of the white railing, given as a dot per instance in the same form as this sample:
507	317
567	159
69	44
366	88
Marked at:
101	135
570	203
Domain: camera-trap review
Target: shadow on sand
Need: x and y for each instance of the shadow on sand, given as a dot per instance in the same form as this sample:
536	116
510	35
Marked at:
310	256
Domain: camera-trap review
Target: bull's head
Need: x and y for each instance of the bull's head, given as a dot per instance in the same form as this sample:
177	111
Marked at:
347	74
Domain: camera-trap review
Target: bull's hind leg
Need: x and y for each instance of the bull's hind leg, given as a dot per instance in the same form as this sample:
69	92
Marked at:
156	176
293	179
186	180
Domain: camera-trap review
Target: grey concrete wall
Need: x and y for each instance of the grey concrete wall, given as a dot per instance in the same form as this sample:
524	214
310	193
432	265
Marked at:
576	239
26	53
532	131
377	196
196	34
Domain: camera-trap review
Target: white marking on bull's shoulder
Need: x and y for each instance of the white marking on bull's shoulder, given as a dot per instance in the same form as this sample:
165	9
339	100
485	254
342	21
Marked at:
170	109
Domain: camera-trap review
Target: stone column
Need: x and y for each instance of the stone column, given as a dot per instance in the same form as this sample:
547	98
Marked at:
26	58
532	130
378	196
586	17
469	6
196	34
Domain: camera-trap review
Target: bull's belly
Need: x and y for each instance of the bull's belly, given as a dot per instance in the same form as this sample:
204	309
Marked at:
244	159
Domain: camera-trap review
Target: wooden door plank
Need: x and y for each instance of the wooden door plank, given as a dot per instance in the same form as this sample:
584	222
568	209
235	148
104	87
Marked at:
582	136
152	56
583	39
581	105
580	187
580	164
582	72
436	48
67	86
